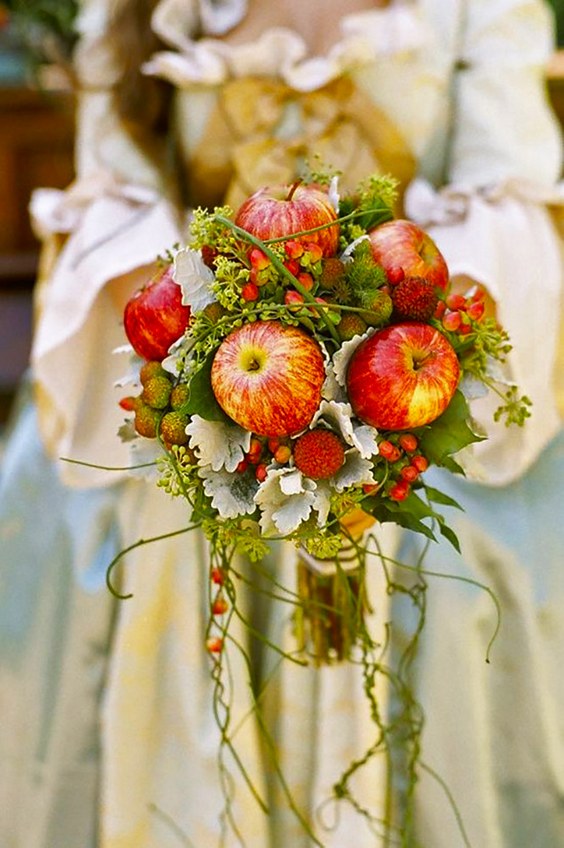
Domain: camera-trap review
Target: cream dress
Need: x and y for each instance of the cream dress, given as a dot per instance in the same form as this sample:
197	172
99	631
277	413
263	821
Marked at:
451	96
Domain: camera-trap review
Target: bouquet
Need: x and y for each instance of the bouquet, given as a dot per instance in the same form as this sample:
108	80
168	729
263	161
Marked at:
300	364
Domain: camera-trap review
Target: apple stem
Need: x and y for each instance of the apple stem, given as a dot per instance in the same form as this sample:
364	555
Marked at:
281	268
293	188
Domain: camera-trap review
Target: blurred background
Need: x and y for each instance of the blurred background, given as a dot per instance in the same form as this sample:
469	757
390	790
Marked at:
36	149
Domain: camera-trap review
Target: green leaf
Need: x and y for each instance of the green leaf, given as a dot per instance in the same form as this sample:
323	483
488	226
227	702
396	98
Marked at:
449	534
439	497
449	433
202	399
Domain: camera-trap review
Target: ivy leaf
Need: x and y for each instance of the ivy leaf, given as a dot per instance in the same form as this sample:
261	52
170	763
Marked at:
449	434
202	400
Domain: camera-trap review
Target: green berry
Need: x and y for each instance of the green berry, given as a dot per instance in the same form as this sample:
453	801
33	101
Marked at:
156	392
379	310
179	395
350	325
146	421
151	369
173	428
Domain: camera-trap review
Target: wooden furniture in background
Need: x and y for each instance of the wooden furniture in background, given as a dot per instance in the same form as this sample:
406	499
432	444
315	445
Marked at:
36	149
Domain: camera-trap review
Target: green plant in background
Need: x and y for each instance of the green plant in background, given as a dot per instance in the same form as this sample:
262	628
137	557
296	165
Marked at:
558	9
44	30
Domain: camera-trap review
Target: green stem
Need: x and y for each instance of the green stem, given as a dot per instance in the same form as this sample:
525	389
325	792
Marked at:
281	268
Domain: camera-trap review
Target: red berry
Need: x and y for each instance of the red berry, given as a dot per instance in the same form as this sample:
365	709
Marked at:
243	465
476	310
456	301
294	249
389	451
258	259
395	275
314	251
214	645
440	310
255	451
408	442
420	462
261	472
128	403
399	490
220	605
370	488
283	454
409	473
250	292
293	298
305	280
218	576
451	321
293	266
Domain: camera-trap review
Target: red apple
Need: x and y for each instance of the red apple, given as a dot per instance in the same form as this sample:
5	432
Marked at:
155	317
402	377
401	244
276	211
267	377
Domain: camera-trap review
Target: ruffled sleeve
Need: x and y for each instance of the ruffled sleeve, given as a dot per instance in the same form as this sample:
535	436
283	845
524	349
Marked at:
115	220
492	220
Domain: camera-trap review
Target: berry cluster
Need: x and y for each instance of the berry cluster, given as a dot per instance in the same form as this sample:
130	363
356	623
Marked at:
159	407
459	313
403	463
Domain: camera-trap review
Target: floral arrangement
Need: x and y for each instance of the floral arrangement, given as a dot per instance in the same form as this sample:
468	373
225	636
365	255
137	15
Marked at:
300	365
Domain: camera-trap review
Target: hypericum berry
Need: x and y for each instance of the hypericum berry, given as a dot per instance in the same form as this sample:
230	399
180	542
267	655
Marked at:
258	259
409	473
179	395
314	251
408	442
306	280
273	444
370	488
399	490
293	266
452	321
173	428
217	576
250	292
293	298
255	451
456	301
261	472
351	325
214	645
319	453
293	249
128	403
242	466
151	369
282	454
146	420
476	310
440	310
420	462
389	451
219	605
156	392
414	299
395	275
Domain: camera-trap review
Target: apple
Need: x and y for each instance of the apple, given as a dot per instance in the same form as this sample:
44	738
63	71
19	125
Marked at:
155	317
402	377
283	210
268	376
401	244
